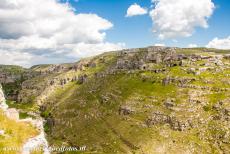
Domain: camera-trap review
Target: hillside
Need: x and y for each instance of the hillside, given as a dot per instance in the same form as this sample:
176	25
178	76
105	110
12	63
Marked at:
146	100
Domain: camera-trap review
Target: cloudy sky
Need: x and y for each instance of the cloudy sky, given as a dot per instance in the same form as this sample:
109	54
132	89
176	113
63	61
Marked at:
56	31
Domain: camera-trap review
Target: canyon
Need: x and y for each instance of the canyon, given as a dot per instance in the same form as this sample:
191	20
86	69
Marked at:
143	100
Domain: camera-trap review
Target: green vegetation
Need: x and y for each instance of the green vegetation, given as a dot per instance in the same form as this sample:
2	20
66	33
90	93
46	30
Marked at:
12	69
23	115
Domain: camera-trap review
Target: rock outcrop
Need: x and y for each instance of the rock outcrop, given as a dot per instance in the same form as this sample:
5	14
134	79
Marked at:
126	110
33	143
175	124
3	104
37	141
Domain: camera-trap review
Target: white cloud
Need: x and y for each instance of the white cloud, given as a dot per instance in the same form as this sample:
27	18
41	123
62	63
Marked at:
135	10
93	49
27	59
14	58
179	18
44	29
159	44
192	45
219	43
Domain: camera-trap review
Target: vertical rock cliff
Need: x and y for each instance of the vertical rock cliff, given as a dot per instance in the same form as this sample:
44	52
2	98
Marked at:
3	104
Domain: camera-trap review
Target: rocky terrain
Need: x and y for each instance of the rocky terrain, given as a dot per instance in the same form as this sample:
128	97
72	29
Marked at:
145	100
16	135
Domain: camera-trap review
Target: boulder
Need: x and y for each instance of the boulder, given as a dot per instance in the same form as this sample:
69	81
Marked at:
104	99
126	110
12	114
179	125
157	118
169	103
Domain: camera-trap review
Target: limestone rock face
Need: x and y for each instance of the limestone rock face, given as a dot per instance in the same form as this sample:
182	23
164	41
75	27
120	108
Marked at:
130	59
173	122
12	114
82	79
158	118
3	104
4	78
2	98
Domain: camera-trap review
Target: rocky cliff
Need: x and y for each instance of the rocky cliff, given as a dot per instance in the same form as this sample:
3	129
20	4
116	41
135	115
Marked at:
3	104
13	132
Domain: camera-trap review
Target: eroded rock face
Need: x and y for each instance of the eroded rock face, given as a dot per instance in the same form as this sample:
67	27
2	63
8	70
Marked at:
158	118
39	88
2	98
154	57
180	125
131	59
175	124
5	78
3	104
82	79
10	113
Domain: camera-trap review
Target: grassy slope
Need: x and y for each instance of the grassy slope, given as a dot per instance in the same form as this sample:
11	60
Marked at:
109	131
82	118
11	69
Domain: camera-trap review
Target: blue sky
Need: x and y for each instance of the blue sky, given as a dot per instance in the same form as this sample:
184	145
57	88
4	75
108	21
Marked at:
59	31
136	31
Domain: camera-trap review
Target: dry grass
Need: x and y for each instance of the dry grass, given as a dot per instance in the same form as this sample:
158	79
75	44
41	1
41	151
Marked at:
15	133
